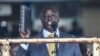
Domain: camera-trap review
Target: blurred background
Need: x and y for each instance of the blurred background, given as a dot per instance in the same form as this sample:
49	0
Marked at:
77	17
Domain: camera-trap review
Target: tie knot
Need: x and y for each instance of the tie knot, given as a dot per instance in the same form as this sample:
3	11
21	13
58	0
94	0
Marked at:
51	35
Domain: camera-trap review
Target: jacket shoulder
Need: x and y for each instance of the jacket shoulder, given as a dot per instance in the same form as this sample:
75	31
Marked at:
65	34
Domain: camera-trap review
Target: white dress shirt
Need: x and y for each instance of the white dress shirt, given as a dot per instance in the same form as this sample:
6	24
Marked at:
45	34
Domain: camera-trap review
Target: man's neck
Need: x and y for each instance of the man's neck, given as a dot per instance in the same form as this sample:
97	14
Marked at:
49	30
46	32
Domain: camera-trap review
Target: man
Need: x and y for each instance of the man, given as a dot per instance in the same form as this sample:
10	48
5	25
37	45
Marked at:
48	15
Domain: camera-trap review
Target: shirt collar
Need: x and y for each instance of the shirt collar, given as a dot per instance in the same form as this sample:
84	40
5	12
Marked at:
46	33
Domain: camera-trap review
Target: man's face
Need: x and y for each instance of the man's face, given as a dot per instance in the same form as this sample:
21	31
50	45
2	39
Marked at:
48	17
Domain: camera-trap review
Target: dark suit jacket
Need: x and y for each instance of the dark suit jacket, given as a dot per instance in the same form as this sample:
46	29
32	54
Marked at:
65	49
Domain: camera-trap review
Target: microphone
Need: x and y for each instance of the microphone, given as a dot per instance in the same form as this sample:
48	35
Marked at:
54	25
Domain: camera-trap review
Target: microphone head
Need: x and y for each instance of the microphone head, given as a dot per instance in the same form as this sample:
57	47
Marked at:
54	25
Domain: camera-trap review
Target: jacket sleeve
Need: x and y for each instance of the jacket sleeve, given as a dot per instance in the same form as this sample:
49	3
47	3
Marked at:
22	52
77	50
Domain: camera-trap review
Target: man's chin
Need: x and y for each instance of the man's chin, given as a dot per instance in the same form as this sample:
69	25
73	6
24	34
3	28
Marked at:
49	27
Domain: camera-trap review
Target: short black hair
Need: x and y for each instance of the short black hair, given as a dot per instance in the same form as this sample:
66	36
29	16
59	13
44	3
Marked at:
49	8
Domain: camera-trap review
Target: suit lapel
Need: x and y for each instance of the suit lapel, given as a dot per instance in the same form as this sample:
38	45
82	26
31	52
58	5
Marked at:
62	45
43	45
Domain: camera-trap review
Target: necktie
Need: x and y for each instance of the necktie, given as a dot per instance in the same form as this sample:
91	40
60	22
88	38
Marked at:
52	46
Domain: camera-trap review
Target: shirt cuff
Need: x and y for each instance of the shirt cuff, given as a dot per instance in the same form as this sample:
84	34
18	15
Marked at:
24	46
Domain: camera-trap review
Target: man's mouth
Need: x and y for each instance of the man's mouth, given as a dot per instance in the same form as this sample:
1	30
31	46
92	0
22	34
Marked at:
49	23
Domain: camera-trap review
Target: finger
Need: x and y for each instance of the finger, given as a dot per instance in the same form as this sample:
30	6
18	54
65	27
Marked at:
28	31
20	29
22	33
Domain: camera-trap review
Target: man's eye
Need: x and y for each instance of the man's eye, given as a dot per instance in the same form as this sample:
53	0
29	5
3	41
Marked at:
45	16
53	16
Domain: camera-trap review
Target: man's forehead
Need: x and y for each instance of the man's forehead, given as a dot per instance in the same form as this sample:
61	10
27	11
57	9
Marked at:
50	11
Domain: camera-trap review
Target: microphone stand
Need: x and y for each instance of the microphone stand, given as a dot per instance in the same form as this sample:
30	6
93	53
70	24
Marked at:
56	45
54	26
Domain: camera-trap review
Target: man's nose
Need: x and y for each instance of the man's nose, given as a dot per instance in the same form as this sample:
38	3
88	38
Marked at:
49	18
